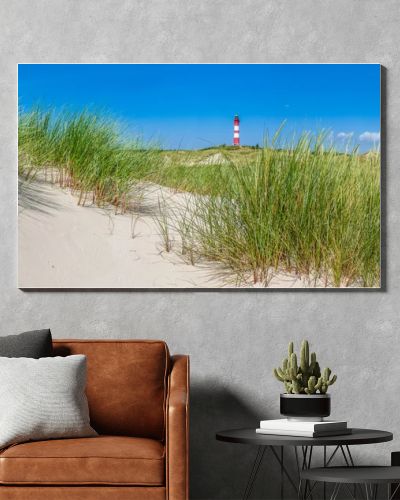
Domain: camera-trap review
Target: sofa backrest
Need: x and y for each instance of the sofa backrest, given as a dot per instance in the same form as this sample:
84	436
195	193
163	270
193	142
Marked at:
126	386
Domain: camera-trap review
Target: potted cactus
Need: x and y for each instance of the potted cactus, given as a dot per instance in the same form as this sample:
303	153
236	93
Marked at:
306	386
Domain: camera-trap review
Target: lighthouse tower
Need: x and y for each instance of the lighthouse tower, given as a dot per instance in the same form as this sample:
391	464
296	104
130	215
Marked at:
236	137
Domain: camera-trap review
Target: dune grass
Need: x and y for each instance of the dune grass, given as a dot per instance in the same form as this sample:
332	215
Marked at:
305	209
198	179
85	152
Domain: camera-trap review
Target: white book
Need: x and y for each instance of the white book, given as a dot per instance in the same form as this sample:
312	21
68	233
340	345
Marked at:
311	434
303	425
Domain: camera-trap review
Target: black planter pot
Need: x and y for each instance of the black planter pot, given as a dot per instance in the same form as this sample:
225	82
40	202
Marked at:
300	406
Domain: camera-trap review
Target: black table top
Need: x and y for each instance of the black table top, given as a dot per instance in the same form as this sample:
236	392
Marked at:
249	436
353	475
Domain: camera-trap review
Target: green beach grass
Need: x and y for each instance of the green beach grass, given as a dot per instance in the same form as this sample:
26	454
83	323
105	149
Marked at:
85	152
304	208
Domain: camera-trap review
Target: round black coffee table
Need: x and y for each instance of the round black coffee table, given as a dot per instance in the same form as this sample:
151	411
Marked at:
303	449
369	476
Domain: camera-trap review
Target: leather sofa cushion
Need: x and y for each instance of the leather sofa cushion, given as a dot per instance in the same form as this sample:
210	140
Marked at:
103	460
126	385
83	493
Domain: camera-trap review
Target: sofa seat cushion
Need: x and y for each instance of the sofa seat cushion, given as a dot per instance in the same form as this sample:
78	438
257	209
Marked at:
103	460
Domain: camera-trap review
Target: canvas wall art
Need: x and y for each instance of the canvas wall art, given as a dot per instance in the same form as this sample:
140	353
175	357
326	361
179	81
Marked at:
199	176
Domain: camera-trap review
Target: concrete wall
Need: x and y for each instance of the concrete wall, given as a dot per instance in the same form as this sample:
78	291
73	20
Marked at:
234	339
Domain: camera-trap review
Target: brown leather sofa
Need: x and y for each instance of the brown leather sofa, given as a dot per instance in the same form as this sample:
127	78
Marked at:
139	401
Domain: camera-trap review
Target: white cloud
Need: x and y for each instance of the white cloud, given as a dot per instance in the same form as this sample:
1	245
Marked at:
370	136
345	135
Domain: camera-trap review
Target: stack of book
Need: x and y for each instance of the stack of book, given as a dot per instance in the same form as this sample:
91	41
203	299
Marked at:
303	428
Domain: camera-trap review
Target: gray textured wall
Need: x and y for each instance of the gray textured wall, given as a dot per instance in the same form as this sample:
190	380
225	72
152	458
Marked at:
233	338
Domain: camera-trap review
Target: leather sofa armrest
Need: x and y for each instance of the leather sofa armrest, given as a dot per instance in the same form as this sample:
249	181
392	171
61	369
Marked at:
177	431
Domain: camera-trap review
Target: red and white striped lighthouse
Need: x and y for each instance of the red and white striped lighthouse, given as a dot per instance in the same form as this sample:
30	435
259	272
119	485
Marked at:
236	137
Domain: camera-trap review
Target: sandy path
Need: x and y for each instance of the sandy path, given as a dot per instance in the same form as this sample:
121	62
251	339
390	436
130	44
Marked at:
63	245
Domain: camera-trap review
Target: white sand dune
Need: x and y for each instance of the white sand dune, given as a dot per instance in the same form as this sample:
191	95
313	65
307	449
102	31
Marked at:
63	245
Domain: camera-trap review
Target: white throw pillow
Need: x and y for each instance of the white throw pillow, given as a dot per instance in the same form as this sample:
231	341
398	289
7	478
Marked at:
43	399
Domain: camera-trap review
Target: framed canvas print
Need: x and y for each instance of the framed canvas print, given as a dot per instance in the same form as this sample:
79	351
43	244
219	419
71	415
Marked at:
199	176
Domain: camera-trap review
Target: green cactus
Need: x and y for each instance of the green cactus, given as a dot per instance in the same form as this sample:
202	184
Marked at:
304	357
290	349
325	382
293	366
297	387
311	384
305	378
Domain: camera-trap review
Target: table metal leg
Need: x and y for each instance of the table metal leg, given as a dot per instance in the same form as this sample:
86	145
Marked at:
307	456
367	492
279	456
350	463
282	490
324	466
253	474
308	495
284	470
305	464
351	493
297	461
299	490
335	491
332	456
390	494
371	491
349	454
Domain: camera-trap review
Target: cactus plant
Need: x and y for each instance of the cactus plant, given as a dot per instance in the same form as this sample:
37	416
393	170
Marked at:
305	377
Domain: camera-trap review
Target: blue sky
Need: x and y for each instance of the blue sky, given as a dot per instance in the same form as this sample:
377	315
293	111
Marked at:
192	106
